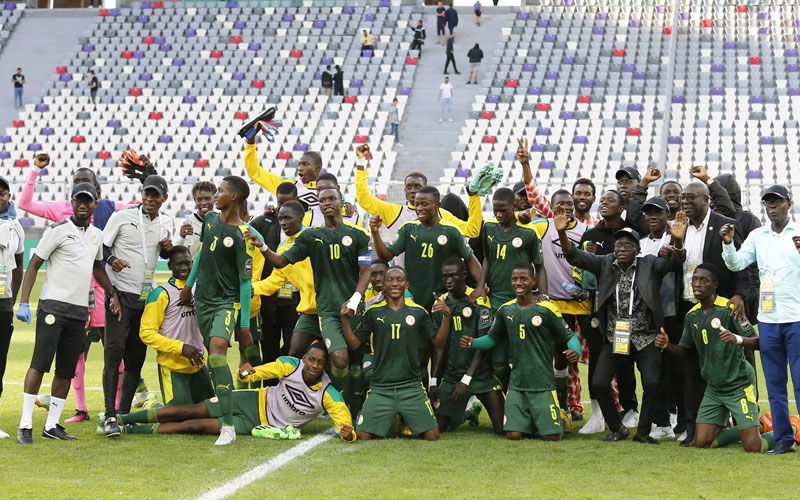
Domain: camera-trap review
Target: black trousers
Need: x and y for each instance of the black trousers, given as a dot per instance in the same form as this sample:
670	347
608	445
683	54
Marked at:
694	386
121	342
672	379
6	330
450	59
417	45
648	362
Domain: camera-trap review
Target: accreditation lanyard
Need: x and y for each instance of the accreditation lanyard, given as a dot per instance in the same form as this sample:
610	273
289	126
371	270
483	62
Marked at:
149	276
141	232
81	237
622	328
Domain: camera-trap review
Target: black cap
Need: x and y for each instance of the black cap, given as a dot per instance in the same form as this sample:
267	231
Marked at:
4	184
777	191
84	188
626	231
630	172
155	182
519	187
657	202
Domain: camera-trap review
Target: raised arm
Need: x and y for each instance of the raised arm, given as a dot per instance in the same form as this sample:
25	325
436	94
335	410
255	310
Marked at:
365	199
537	199
380	248
261	176
50	211
737	260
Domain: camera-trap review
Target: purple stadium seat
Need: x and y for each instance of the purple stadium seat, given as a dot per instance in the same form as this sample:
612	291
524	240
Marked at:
534	90
178	61
319	25
113	12
542	23
790	53
602	16
537	148
628	68
757	99
318	75
386	3
530	68
587	83
635	107
239	25
189	32
34	146
730	45
764	31
369	17
301	147
348	10
138	54
717	91
48	131
580	139
66	77
717	68
567	115
147	5
791	68
114	123
684	16
355	84
232	4
763	16
238	76
254	47
494	99
165	47
189	99
164	139
462	172
753	174
639	75
551	75
366	53
327	61
550	38
187	123
159	40
41	108
146	77
522	16
794	92
567	60
674	139
5	155
10	6
88	47
542	131
287	18
404	90
5	139
660	9
677	99
207	131
635	23
569	3
765	140
143	19
547	165
598	30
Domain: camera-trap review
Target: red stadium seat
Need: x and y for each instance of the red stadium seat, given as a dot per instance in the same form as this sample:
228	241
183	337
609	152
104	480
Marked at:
512	83
489	139
634	131
708	23
103	155
241	115
755	61
236	39
158	5
350	99
103	12
155	115
381	197
619	52
284	155
667	30
487	115
148	40
296	54
584	99
201	163
412	61
78	139
258	84
216	54
543	106
361	139
127	54
18	123
21	163
135	92
61	70
741	8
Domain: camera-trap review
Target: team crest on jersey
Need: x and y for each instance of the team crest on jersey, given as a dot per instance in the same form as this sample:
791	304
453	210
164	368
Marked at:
228	242
49	319
360	419
537	320
410	320
347	241
595	322
442	239
466	312
516	242
328	343
716	323
367	364
94	240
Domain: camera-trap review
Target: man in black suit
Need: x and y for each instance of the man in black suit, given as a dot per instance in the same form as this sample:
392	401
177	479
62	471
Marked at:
628	304
704	244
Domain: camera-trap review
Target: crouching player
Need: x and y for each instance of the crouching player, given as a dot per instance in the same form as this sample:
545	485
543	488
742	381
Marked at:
302	394
170	327
535	332
398	327
711	329
465	373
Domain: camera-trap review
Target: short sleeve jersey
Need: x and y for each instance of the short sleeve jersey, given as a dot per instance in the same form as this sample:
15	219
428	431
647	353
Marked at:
504	249
335	256
465	319
425	252
723	366
225	260
534	335
396	338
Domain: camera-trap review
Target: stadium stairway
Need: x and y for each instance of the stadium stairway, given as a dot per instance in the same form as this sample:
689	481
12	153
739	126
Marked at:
427	143
41	41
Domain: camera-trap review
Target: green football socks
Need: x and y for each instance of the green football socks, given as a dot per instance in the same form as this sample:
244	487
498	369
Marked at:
253	355
341	381
356	390
223	385
139	417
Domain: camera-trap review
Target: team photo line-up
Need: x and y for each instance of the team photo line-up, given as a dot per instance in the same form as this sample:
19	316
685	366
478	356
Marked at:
414	321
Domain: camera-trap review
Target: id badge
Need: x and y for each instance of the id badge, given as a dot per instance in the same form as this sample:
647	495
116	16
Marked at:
768	294
286	291
3	278
689	272
622	337
92	304
147	287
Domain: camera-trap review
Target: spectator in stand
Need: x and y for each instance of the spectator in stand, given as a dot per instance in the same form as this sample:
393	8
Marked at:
446	98
327	80
449	52
419	37
477	8
441	20
451	16
338	81
94	84
395	123
367	41
18	79
475	55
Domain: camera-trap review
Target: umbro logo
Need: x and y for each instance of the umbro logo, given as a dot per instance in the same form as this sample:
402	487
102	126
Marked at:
299	397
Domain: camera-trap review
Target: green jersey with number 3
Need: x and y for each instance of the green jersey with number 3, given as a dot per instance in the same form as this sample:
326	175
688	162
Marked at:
226	259
504	249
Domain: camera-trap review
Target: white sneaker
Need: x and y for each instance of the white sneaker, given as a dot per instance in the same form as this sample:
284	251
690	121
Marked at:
139	398
662	432
227	435
595	424
440	120
673	420
399	145
450	120
3	435
631	419
682	437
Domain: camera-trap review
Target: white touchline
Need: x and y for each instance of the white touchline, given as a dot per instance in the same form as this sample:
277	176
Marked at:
48	385
262	470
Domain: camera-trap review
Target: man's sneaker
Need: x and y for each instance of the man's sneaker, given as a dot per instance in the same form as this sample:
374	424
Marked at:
269	432
101	423
43	401
152	401
475	413
3	435
58	432
79	416
292	433
673	420
631	419
662	433
227	435
139	398
111	428
682	436
25	436
595	424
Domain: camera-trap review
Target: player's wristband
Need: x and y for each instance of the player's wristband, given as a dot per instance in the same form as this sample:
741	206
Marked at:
353	302
433	382
738	338
466	379
361	161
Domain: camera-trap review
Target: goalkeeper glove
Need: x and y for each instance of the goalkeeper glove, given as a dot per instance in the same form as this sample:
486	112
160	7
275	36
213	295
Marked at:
135	166
486	179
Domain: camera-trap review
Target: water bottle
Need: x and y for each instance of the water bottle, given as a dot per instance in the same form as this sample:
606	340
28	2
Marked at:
571	288
189	240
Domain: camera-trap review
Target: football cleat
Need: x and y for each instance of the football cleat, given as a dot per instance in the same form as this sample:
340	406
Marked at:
101	423
292	433
269	432
58	432
766	422
79	416
474	412
25	436
568	427
153	401
227	435
43	401
795	421
111	428
139	398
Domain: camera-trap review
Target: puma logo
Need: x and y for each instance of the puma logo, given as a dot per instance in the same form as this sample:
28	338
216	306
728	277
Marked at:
381	320
694	325
412	237
318	239
510	318
490	237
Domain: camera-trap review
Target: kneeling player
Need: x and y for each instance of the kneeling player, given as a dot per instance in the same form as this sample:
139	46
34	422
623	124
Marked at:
303	393
398	327
535	332
465	373
709	328
170	327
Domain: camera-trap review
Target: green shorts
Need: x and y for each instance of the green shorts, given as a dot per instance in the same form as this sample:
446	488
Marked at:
481	384
255	329
308	324
245	410
381	405
184	388
741	404
531	412
331	328
220	321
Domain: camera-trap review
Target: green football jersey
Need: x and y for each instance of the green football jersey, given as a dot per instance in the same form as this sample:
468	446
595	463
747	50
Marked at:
425	252
335	256
535	334
465	319
396	339
226	259
723	366
504	249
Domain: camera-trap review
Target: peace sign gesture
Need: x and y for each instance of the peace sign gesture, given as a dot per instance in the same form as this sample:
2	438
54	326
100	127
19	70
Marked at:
522	151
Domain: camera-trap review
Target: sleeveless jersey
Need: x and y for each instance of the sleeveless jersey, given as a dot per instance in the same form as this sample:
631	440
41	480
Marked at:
180	321
558	269
292	402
